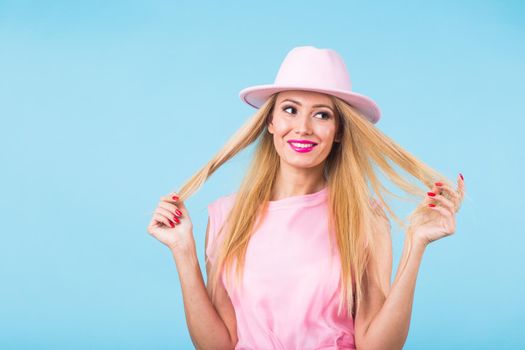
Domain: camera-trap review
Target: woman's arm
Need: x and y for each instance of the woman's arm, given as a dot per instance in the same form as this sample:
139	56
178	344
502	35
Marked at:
207	329
388	327
211	325
384	321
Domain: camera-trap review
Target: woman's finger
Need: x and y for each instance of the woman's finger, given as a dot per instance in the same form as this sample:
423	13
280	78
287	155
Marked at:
172	197
461	187
171	216
449	193
452	194
162	219
171	208
442	200
441	209
460	191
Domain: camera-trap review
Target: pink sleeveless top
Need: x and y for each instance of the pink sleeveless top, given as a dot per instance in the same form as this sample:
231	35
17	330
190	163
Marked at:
291	278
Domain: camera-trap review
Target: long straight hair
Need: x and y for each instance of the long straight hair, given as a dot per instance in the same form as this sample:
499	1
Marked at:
351	170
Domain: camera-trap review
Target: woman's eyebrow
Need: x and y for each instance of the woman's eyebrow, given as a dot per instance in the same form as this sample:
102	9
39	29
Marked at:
318	105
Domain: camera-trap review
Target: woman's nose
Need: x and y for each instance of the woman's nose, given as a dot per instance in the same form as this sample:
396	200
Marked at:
303	125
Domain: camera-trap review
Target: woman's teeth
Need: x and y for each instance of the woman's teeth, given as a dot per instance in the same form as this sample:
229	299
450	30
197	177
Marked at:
302	145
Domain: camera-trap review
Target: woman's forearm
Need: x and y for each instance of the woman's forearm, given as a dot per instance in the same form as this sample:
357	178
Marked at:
206	328
389	327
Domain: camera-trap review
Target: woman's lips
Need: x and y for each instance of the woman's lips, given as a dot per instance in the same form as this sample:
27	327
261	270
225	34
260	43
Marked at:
302	149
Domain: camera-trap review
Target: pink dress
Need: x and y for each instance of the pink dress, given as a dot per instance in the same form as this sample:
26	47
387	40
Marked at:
291	278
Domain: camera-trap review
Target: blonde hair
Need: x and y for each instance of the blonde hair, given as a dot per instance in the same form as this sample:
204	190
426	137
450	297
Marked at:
350	170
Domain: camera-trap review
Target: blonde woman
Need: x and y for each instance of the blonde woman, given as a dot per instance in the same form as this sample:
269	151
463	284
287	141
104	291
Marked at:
307	235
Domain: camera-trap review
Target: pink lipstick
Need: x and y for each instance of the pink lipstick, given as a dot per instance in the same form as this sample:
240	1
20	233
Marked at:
302	146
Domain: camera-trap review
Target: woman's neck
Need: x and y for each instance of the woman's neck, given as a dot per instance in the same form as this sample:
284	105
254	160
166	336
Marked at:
288	187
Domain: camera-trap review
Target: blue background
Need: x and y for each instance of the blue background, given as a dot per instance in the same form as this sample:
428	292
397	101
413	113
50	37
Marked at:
107	105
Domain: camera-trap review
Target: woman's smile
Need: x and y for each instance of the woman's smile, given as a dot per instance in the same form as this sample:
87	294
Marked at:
302	147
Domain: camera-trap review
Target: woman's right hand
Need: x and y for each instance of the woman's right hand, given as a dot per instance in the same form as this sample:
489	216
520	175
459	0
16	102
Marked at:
171	224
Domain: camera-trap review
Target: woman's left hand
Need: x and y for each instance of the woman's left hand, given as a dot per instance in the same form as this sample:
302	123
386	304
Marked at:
436	216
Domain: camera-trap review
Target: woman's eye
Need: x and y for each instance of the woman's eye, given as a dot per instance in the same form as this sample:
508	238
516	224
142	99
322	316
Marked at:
326	115
287	107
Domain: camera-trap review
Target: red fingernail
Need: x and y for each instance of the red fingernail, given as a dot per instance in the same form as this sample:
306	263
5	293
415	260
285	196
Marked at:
175	198
172	224
178	212
439	183
431	205
461	176
431	194
177	221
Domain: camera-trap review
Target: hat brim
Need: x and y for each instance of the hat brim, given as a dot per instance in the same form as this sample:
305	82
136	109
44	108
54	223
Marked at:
255	96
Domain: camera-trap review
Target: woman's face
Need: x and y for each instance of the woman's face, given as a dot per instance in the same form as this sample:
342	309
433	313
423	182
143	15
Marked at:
300	119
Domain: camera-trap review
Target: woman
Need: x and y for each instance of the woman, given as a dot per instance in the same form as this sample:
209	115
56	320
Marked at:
310	245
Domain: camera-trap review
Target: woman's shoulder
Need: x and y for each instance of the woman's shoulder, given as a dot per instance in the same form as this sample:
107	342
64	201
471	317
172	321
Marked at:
223	203
217	212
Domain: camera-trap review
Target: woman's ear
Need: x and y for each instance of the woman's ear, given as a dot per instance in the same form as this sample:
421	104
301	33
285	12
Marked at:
269	124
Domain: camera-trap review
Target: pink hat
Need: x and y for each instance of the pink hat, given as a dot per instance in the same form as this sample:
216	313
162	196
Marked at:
313	69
